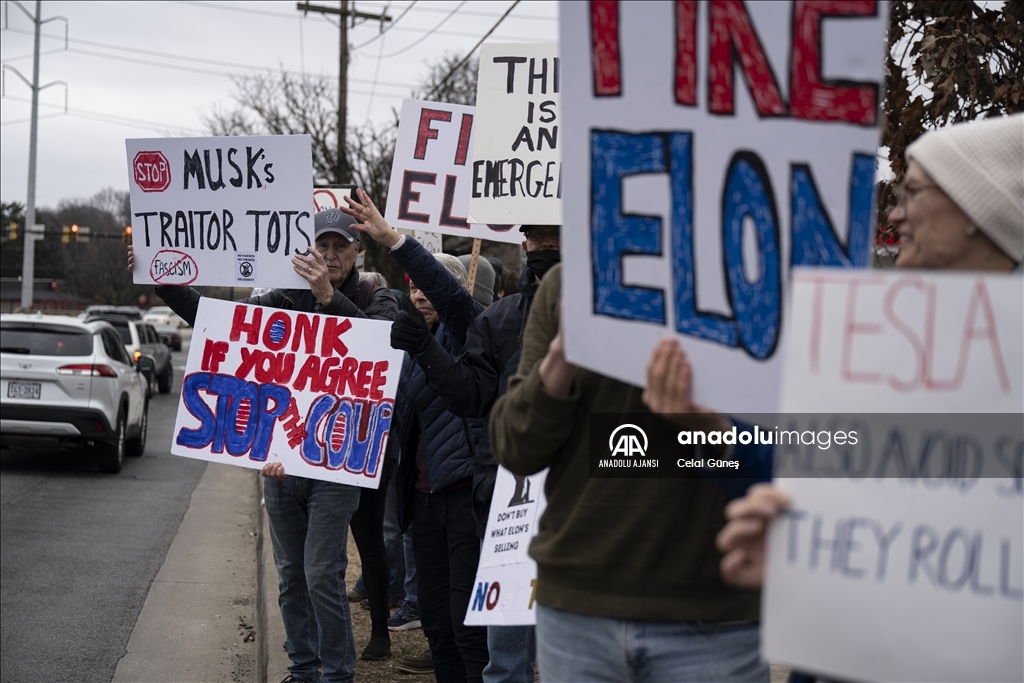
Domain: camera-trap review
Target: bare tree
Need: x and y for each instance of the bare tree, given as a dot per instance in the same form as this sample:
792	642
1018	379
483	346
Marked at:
451	79
948	61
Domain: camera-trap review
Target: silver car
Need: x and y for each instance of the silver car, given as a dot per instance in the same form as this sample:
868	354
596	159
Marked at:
71	383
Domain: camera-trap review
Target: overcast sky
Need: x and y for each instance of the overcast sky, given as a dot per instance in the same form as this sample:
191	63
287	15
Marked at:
152	69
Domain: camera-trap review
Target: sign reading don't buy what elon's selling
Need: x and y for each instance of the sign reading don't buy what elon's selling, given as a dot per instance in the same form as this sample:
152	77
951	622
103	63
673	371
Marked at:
228	211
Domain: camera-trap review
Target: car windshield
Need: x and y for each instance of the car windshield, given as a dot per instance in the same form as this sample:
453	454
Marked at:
46	341
122	329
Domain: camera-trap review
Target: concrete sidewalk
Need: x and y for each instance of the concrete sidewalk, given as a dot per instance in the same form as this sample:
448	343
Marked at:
199	620
272	663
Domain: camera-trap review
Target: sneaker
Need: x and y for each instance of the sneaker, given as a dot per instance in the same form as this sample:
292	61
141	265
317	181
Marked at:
424	664
290	678
406	618
356	595
379	647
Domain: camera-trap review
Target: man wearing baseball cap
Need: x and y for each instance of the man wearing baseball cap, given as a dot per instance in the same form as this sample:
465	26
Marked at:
309	518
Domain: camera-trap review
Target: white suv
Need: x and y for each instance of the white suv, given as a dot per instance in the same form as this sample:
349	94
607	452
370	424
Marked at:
71	383
163	315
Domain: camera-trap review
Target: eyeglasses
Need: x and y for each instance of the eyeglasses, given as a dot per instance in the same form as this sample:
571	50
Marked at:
903	193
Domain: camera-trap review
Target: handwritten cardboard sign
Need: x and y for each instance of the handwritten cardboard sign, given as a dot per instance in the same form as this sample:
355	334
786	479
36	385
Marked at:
431	173
506	579
517	159
315	392
903	555
708	148
226	211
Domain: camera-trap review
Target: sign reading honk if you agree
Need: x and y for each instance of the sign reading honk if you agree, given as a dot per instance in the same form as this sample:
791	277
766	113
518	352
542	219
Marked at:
227	211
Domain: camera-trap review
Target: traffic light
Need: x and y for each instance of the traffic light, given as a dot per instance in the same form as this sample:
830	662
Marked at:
126	236
14	231
65	234
74	233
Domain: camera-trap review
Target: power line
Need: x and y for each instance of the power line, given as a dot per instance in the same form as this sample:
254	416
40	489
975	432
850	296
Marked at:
470	53
425	35
114	118
376	71
389	27
185	58
421	8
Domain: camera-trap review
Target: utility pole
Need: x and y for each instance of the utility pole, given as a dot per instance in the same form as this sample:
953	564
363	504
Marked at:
28	263
341	169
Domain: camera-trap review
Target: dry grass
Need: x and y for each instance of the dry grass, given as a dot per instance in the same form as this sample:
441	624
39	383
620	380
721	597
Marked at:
403	643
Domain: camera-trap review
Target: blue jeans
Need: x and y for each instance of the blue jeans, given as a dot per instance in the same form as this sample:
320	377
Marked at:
411	589
581	647
513	651
309	530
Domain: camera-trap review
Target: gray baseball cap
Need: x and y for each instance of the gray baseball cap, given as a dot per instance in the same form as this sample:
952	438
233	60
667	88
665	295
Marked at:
334	220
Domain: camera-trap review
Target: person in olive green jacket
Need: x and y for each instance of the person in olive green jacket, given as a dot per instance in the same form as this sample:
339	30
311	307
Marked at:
628	585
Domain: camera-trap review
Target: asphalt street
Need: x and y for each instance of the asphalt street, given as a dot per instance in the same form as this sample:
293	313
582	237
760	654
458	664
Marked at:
79	549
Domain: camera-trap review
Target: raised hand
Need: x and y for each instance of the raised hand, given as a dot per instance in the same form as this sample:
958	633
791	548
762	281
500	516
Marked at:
369	219
410	331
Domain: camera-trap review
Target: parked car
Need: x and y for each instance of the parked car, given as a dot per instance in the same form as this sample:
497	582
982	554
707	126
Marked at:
169	335
163	315
140	338
130	312
68	382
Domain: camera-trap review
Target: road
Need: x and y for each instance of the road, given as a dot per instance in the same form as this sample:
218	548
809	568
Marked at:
79	549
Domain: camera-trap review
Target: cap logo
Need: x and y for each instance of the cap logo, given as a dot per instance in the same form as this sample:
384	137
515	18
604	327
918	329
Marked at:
332	217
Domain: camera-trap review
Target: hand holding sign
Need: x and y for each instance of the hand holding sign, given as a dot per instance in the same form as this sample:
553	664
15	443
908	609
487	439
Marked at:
742	539
312	268
274	470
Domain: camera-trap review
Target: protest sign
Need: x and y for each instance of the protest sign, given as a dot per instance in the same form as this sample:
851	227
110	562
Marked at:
430	175
315	392
902	557
332	197
709	147
506	579
226	211
517	160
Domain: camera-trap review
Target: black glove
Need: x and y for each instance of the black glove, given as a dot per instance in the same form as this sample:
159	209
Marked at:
409	332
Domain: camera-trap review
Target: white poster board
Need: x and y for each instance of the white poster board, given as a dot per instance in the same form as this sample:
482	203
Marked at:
517	156
910	567
226	211
431	173
506	579
315	392
708	147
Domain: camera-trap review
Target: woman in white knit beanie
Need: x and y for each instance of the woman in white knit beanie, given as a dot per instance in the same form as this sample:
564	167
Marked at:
962	201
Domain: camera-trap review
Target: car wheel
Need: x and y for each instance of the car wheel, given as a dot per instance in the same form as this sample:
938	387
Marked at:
166	379
137	446
111	458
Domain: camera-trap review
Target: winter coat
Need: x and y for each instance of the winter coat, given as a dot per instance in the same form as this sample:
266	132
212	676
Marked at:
471	383
450	441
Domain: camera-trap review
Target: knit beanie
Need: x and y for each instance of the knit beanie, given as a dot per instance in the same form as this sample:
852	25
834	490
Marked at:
980	166
483	290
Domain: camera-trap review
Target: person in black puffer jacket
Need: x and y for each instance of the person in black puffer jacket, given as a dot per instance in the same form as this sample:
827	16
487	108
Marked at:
436	470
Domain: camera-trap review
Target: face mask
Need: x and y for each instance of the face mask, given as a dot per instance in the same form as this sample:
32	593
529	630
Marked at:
542	260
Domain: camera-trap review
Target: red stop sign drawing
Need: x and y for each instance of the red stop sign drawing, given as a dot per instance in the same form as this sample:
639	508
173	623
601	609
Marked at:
152	171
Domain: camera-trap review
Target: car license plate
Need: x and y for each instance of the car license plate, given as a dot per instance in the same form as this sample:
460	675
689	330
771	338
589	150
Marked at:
24	390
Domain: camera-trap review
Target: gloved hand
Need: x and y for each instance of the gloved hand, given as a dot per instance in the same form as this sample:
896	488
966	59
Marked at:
409	332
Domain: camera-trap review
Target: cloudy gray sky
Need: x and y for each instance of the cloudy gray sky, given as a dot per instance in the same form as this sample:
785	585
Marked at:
151	69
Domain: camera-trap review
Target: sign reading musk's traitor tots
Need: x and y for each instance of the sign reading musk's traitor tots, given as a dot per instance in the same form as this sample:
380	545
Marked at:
227	211
315	392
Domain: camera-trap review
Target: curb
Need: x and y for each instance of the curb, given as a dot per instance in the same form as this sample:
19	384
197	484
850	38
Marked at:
271	659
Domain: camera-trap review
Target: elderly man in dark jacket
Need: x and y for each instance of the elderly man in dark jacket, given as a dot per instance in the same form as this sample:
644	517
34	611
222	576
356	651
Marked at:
309	519
439	447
